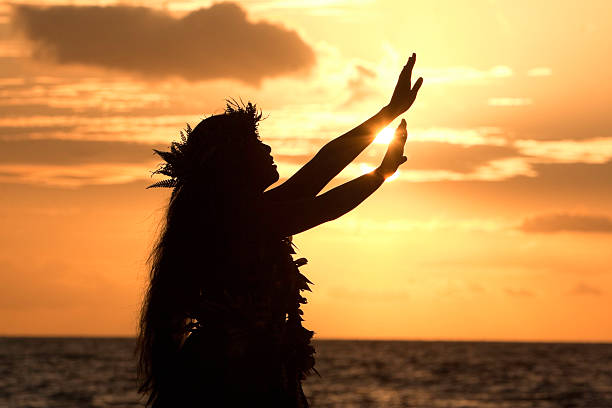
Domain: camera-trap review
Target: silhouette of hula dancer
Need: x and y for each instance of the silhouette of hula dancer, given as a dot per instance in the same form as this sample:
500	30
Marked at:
221	322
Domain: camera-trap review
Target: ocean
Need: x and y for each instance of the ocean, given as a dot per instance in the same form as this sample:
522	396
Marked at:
99	372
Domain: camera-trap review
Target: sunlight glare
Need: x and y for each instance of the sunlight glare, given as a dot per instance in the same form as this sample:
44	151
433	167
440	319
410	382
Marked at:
366	168
393	176
384	136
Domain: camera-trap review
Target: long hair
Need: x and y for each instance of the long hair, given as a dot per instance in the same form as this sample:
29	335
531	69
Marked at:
208	184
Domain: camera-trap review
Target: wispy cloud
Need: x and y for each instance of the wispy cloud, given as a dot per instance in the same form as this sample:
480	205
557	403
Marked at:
74	152
565	222
368	295
74	176
119	95
455	157
359	85
505	101
13	48
597	150
4	82
209	43
463	74
356	225
466	137
584	289
519	292
493	170
539	72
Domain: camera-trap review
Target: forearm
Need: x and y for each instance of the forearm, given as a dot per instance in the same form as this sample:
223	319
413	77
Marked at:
342	199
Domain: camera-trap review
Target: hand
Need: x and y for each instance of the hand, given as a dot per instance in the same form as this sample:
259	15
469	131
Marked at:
395	152
404	93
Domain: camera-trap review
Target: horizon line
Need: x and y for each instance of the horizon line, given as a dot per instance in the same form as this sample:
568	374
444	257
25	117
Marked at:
414	340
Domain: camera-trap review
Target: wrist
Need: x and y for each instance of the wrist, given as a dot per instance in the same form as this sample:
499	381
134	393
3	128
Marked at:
391	112
379	173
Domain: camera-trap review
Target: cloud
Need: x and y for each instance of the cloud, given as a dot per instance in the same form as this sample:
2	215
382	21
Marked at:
361	85
575	179
466	137
4	82
209	43
462	74
119	95
582	288
142	129
383	295
71	152
12	49
76	175
598	150
75	163
539	71
494	170
504	101
550	223
357	225
453	157
518	292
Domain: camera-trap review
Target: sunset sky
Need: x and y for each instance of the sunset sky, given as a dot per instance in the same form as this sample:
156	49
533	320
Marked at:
499	226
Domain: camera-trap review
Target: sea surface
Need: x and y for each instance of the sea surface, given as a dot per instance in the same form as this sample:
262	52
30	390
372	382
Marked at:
96	372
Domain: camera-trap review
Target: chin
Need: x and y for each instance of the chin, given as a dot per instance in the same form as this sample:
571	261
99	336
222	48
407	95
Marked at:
273	178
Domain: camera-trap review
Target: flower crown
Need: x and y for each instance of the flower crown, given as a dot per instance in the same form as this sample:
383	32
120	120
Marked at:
189	155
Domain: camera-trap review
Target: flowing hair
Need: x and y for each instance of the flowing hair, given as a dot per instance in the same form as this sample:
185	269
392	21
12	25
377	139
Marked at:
200	221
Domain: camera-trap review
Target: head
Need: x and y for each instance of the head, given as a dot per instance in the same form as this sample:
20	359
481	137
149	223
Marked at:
222	150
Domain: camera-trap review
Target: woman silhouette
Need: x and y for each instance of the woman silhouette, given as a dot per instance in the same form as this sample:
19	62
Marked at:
221	322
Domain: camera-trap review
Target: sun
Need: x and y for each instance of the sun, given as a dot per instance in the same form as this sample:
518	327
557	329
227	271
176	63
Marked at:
384	136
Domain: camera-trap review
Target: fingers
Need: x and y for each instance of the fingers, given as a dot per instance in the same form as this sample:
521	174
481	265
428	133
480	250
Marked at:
417	85
408	67
401	126
401	131
411	61
407	70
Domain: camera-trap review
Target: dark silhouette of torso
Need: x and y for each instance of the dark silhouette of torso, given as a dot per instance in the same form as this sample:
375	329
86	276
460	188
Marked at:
247	346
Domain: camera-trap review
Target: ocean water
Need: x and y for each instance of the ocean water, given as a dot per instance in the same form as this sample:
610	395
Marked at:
94	372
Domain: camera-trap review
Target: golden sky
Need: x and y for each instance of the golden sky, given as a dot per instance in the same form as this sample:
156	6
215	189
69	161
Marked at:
498	227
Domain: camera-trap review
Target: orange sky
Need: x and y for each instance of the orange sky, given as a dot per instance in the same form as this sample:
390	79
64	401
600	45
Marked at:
498	227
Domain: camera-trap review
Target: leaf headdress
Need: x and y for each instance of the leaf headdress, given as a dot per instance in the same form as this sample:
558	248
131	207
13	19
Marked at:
197	146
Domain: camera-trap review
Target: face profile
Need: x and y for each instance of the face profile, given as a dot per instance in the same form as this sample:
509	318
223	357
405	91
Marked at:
260	166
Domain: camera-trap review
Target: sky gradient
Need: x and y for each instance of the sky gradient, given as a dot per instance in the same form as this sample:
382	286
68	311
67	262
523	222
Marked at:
499	226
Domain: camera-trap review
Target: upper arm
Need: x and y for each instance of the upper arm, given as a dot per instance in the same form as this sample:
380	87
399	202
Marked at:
285	218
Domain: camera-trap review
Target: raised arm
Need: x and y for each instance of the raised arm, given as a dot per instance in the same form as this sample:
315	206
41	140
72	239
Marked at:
338	153
291	217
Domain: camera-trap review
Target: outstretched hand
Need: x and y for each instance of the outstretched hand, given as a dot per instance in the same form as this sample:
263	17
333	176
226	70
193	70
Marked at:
394	157
404	94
